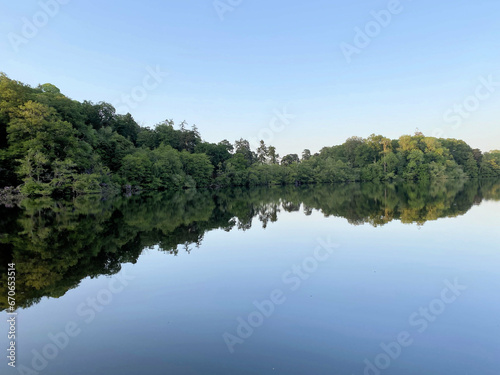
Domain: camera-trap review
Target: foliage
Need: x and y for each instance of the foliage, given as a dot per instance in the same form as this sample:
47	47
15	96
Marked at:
53	145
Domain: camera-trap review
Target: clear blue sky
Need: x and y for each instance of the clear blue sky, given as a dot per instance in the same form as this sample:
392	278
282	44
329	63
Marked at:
229	76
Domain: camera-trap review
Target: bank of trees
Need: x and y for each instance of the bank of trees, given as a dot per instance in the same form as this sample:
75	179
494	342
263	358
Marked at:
50	144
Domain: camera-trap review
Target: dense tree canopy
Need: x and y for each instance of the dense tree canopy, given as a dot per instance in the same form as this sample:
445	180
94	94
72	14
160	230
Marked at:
50	144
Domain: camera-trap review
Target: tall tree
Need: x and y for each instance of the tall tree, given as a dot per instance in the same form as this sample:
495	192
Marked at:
262	152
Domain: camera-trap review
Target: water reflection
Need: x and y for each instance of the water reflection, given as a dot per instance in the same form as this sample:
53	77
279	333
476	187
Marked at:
56	244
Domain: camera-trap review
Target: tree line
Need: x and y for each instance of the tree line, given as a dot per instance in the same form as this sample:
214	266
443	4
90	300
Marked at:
53	145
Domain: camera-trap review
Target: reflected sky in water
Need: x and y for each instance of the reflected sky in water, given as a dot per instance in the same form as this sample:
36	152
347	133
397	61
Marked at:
176	305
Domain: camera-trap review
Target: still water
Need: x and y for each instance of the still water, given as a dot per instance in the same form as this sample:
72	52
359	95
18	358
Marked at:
339	280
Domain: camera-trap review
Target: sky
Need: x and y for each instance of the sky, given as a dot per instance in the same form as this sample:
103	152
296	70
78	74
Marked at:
297	74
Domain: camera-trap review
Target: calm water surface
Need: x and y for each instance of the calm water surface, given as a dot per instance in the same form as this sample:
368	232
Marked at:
346	279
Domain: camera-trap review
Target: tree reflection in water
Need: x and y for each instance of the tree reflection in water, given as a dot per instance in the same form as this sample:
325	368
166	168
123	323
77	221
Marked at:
56	244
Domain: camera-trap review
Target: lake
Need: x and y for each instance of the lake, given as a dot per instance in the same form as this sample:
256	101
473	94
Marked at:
328	279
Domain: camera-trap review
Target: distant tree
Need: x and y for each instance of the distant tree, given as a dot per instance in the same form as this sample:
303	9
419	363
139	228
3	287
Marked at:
126	126
242	147
148	138
386	149
306	154
112	148
290	159
137	168
198	167
351	150
217	153
478	155
273	156
227	145
262	153
98	115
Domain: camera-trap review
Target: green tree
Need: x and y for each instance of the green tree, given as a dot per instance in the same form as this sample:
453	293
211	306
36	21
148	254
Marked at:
306	154
198	167
137	168
290	159
273	155
243	147
262	153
